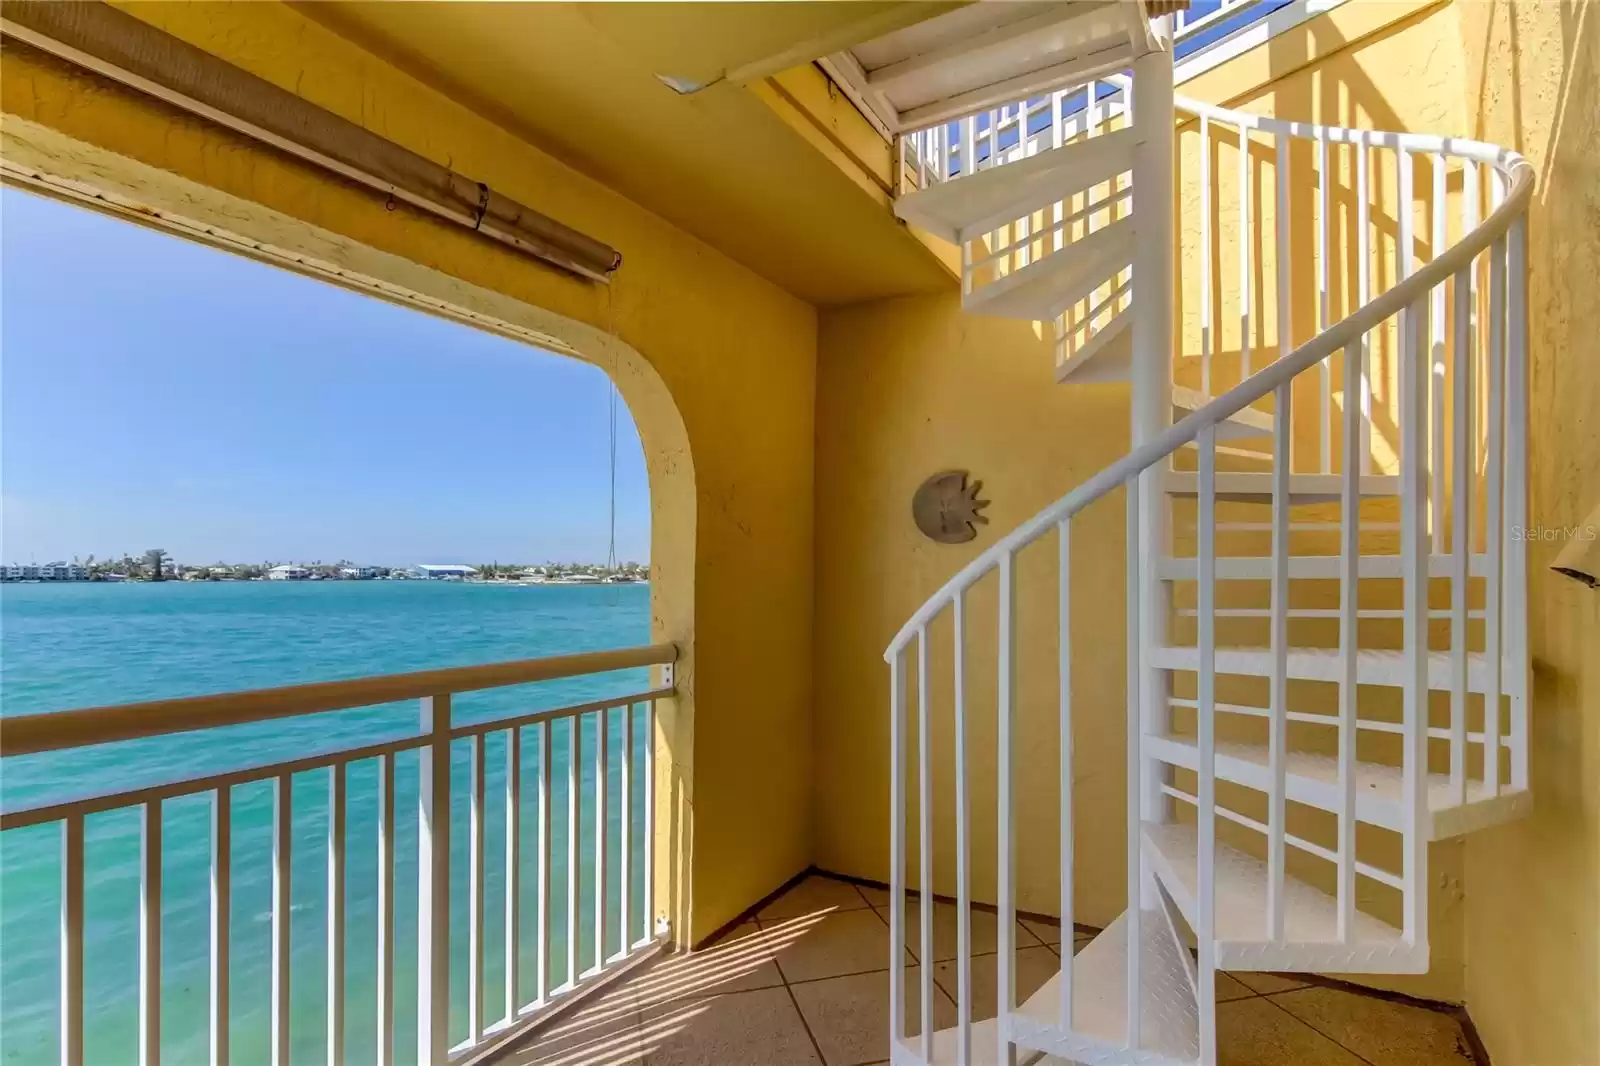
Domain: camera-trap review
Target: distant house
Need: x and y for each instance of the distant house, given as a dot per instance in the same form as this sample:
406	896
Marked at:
21	572
358	573
288	573
444	571
60	571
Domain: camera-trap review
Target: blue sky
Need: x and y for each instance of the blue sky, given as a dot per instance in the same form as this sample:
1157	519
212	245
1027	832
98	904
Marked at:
158	393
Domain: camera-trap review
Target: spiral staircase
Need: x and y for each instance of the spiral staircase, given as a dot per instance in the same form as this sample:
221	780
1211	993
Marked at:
1326	614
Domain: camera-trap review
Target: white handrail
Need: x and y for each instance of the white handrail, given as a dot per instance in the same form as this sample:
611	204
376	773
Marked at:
1511	165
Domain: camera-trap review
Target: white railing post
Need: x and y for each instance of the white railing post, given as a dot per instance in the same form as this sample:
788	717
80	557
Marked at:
385	990
963	841
897	852
1278	695
1205	726
541	978
282	896
433	882
1498	477
1006	785
1064	739
1463	474
1517	497
475	886
1134	714
1355	368
336	820
1413	415
924	850
513	918
221	914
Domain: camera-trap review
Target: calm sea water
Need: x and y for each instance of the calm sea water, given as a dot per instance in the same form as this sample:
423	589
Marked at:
79	645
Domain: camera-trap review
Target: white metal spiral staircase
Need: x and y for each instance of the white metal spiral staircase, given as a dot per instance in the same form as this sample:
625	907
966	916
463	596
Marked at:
1326	616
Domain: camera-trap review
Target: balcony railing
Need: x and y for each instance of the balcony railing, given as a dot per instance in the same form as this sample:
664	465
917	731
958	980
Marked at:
591	755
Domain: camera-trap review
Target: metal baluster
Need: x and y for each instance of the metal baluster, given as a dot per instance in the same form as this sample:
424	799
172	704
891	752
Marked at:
1349	604
385	990
1461	537
282	867
150	934
1516	566
1205	257
601	723
433	885
1205	723
1278	701
574	757
1436	369
1499	489
1006	962
1414	567
542	910
625	833
924	848
1325	368
963	843
897	852
1244	252
1064	730
513	922
336	820
1363	290
475	890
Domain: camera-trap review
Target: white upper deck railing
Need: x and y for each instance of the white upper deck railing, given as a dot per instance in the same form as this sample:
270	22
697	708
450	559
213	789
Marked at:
607	930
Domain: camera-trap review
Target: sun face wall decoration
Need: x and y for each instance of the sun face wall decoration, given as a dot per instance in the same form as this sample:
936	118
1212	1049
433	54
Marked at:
945	507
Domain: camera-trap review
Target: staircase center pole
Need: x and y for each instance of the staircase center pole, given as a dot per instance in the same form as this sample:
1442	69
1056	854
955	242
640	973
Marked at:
1153	266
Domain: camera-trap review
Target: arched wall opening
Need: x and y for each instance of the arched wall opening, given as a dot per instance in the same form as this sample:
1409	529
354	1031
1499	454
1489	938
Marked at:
716	363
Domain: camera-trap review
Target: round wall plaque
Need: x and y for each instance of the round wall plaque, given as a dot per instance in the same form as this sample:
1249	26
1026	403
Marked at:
946	507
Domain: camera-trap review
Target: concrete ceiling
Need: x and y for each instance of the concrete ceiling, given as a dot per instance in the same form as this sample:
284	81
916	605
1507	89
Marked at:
580	80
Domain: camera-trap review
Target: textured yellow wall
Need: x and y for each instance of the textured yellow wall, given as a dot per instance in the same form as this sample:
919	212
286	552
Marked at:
907	388
726	376
1533	887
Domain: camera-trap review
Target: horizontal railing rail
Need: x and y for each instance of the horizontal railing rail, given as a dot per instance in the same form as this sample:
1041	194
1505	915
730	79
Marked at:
54	731
593	910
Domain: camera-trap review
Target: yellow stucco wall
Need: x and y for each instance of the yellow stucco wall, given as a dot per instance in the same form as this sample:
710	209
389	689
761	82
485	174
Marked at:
716	363
907	388
1532	82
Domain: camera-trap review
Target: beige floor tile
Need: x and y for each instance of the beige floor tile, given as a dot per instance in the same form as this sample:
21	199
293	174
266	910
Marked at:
849	1016
808	949
1253	1032
1230	987
1383	1033
757	1028
814	895
1047	932
1268	983
604	1032
877	897
1035	966
741	960
985	927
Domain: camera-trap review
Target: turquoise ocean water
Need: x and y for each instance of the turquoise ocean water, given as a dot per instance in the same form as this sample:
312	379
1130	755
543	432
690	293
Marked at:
66	646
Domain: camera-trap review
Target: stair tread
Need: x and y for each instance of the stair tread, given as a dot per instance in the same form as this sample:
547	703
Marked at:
1237	567
1097	360
1242	424
974	203
1039	291
1313	779
1311	916
1374	666
1171	1033
1257	485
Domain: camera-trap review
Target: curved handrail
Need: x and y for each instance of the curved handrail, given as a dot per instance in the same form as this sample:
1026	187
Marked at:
1511	165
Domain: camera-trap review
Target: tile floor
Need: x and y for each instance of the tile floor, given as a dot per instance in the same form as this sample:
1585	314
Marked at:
805	982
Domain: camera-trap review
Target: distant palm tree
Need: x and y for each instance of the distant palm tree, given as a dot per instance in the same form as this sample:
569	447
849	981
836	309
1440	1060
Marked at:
156	559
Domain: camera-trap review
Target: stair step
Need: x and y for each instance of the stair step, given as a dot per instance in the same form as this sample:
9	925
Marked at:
1171	1030
1310	567
1311	940
1256	487
1241	425
965	61
1044	288
967	207
1106	356
1314	781
1374	666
